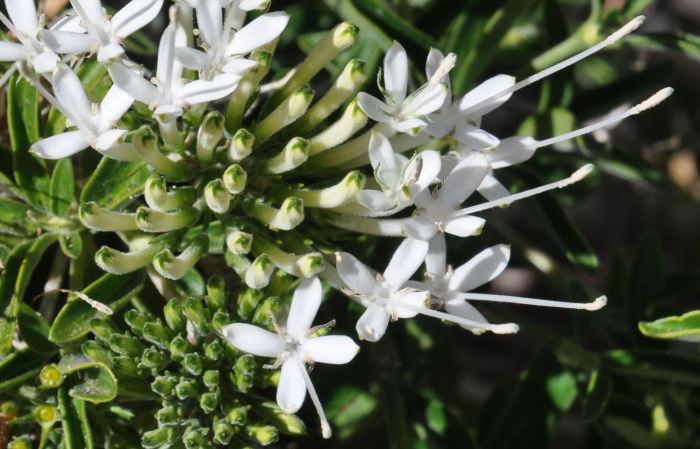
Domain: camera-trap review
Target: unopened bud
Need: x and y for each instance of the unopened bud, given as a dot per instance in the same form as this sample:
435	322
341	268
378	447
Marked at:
211	379
179	347
244	373
197	314
186	388
209	401
156	333
217	197
295	153
95	351
267	312
210	133
258	275
220	319
216	296
158	198
223	432
100	219
46	414
136	320
117	262
161	437
286	218
311	264
150	220
146	146
235	179
164	385
290	110
286	423
193	364
173	315
126	345
352	120
171	267
262	434
241	145
336	195
50	376
239	242
247	301
154	359
167	416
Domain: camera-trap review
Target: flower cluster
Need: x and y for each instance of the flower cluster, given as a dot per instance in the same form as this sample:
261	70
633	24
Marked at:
259	171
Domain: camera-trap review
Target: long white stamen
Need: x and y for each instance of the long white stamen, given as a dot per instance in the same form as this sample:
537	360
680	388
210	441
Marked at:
325	426
506	328
597	304
649	103
610	40
168	81
10	26
445	67
577	176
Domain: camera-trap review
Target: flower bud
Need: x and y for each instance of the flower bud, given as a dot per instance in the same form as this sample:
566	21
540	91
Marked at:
136	320
352	120
241	145
126	366
100	219
240	264
213	351
179	347
243	373
291	109
195	438
211	379
154	332
237	415
186	388
151	220
217	197
95	351
311	264
197	314
161	437
167	416
247	301
336	195
19	443
158	198
242	97
9	409
164	385
209	401
154	359
235	179
280	284
258	275
223	432
126	345
286	423
220	319
46	414
295	153
193	364
117	262
267	312
172	311
262	434
286	218
50	376
300	266
171	267
146	145
102	328
210	133
217	295
239	242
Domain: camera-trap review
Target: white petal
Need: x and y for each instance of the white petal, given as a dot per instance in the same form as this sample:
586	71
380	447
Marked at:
116	147
257	33
109	53
374	200
71	94
474	138
471	103
114	104
436	259
67	43
355	274
12	51
60	145
422	170
464	226
396	73
192	58
253	339
23	16
512	150
291	390
435	58
305	304
239	66
209	21
426	100
167	113
134	84
373	323
492	189
420	227
375	109
201	91
69	23
383	160
89	10
416	300
169	69
135	15
465	310
482	268
412	126
461	182
333	349
46	62
253	5
409	256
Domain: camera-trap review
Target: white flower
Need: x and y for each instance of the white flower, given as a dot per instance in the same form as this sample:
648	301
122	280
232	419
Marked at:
405	114
396	175
226	43
171	94
294	346
105	34
95	123
25	26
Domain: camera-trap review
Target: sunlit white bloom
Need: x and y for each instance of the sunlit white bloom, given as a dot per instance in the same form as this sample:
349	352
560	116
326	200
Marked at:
294	346
24	24
226	41
95	123
105	33
405	114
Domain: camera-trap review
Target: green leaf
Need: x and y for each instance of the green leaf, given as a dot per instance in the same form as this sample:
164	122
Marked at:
71	244
140	44
26	269
34	330
19	367
73	321
598	393
562	390
14	219
685	327
393	21
23	123
349	407
72	430
62	187
8	278
436	417
114	183
97	383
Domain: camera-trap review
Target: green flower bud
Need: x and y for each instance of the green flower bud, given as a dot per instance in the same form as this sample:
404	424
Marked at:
154	359
197	314
211	378
295	153
126	345
186	388
300	266
50	376
179	347
213	350
156	333
127	366
216	293
136	320
171	267
46	414
193	364
267	312
247	301
286	423
174	315
235	179
262	434
241	145
209	401
97	352
100	219
151	220
336	195
102	328
352	121
239	242
223	432
286	218
293	107
146	145
281	284
117	262
19	443
157	196
160	437
217	197
258	275
220	319
167	416
210	133
267	378
8	409
243	373
237	415
240	264
164	385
